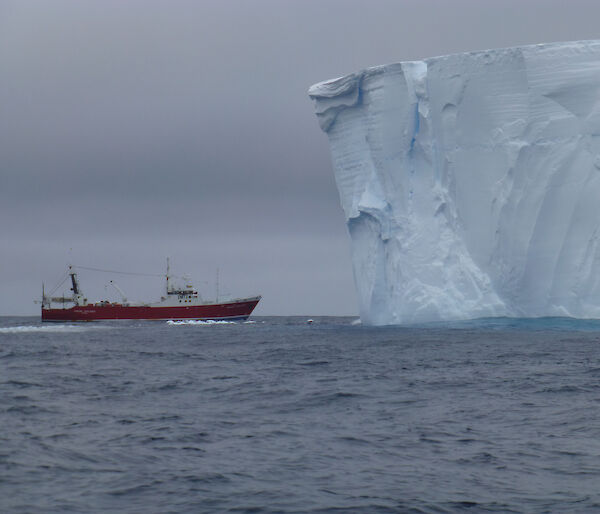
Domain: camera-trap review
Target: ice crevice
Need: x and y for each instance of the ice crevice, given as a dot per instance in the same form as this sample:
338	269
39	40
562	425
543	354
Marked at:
470	182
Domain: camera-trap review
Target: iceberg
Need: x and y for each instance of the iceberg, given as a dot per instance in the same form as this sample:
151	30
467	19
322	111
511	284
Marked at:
470	183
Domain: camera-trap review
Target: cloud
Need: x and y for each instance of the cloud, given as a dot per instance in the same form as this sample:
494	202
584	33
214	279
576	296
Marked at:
130	127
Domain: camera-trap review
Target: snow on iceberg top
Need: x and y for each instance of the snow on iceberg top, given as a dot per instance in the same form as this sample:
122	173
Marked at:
333	95
344	84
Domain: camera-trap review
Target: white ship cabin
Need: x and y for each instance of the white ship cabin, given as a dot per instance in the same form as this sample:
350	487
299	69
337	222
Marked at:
179	295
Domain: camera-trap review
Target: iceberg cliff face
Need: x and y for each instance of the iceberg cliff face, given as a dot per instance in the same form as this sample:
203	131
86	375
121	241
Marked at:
471	182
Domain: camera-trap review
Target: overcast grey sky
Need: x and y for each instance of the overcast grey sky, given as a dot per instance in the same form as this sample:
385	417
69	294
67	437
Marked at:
135	130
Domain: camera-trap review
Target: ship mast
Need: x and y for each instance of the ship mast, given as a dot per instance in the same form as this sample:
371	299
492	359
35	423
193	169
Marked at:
168	277
77	296
74	281
187	290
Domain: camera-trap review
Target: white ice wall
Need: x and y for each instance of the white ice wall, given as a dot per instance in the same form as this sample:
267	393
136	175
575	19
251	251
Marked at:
471	182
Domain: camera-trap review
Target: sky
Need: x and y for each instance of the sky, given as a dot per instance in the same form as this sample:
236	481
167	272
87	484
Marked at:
132	131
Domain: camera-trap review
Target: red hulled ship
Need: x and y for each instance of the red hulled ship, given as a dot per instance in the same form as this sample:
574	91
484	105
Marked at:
178	304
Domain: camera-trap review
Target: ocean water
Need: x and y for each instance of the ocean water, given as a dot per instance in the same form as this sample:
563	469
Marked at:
279	415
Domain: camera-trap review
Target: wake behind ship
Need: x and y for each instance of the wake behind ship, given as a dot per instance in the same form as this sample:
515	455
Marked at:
178	304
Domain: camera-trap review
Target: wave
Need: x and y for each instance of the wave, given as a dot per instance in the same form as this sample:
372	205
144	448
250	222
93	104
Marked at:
23	329
201	322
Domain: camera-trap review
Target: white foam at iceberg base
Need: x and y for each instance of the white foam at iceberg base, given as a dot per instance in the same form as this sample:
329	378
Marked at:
470	183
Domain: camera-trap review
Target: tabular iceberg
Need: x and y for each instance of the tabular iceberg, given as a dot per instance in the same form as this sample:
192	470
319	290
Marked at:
471	183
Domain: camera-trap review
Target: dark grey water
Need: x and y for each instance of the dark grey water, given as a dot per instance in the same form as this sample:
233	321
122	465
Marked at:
281	416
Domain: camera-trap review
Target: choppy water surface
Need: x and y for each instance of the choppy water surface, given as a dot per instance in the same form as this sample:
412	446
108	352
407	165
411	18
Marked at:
283	416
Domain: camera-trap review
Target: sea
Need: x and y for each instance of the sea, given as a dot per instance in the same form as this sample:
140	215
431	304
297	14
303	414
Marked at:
280	414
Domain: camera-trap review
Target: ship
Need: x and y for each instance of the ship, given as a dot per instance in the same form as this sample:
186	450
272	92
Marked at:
179	303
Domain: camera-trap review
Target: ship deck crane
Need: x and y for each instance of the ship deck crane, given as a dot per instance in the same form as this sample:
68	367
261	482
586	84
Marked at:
112	283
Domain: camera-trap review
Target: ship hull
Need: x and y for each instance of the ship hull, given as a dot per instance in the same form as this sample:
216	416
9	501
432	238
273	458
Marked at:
236	310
